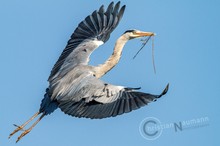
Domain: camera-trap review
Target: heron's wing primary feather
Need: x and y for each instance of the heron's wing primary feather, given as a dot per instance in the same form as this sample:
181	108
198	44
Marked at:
93	98
96	26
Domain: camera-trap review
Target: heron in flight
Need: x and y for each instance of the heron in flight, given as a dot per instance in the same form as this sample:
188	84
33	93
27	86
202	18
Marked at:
75	87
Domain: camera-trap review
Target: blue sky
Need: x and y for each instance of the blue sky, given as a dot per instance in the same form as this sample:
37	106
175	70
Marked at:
187	55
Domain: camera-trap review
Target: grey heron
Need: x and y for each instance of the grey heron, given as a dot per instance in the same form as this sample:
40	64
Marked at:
75	86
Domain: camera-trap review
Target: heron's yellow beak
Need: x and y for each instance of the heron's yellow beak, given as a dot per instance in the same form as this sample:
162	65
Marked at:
143	34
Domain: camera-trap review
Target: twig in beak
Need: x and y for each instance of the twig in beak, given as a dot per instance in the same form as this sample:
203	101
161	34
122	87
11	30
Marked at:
153	60
144	42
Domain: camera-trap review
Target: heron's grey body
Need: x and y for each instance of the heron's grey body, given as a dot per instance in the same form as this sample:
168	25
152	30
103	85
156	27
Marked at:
76	88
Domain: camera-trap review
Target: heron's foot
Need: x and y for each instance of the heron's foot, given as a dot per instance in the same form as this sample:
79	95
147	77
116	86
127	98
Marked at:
23	134
16	130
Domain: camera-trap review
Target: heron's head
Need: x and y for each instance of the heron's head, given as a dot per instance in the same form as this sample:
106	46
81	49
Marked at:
132	34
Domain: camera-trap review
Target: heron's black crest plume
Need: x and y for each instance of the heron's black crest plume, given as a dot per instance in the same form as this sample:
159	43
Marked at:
131	30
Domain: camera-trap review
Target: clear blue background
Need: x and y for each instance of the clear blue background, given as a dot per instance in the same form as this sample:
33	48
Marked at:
187	55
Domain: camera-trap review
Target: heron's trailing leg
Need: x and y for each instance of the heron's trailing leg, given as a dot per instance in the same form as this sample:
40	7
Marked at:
23	125
29	129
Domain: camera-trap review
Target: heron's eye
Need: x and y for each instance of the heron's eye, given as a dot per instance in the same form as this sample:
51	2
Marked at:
134	32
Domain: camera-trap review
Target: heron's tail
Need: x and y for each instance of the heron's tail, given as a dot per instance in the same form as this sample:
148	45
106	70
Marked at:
47	105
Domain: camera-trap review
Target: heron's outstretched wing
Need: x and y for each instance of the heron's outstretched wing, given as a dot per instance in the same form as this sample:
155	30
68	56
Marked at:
90	33
92	98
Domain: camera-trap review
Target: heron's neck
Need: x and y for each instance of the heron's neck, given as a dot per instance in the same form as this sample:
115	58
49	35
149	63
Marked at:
102	69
